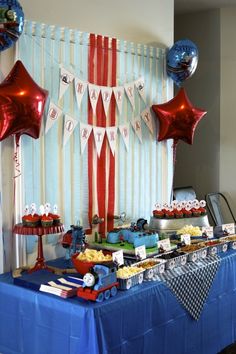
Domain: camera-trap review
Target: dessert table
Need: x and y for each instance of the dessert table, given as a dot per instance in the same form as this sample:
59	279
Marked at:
146	319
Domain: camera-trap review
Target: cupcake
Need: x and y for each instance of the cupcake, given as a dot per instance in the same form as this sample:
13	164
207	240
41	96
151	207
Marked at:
159	214
203	211
196	212
179	214
202	207
165	208
56	219
187	213
54	215
196	208
169	214
179	211
46	220
187	210
31	220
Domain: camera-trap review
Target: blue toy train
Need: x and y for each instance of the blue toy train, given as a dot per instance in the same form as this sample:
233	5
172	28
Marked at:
99	283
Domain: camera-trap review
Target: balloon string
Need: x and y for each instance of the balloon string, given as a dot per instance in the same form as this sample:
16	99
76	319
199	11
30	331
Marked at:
16	160
174	147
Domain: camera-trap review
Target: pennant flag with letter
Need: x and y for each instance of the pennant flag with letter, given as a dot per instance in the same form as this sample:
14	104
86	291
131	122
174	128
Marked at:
80	88
85	131
147	118
124	131
136	124
69	126
66	77
111	136
119	95
99	134
140	86
94	91
106	93
129	89
54	113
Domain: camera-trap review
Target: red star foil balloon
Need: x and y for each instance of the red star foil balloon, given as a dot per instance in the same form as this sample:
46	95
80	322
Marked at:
178	118
22	104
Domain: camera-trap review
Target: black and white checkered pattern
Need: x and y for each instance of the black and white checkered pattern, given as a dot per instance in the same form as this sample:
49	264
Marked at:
192	282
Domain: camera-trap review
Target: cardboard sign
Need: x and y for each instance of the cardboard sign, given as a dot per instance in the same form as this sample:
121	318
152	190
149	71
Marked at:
118	257
230	228
186	238
208	230
140	252
164	244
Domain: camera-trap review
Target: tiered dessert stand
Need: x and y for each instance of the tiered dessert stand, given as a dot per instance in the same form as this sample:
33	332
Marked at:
40	232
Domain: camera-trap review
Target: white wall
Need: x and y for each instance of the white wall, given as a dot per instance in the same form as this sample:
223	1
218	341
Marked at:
209	165
198	165
133	20
228	99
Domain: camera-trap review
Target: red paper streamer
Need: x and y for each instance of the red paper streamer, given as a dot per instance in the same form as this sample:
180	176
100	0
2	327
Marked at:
111	181
90	121
99	49
102	79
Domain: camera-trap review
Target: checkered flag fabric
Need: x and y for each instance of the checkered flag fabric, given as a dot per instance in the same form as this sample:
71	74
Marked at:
191	283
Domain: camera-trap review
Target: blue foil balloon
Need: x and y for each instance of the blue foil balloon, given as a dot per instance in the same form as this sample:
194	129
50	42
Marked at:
11	23
182	59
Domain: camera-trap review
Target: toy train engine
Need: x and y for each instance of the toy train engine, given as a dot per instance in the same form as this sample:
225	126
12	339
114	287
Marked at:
74	240
100	283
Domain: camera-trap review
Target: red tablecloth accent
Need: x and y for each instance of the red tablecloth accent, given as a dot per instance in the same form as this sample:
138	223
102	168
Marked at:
39	231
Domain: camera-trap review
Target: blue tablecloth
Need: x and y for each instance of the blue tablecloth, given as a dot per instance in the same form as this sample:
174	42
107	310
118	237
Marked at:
147	319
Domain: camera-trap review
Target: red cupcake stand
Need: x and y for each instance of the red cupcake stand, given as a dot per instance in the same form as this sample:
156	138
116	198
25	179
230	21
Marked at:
40	232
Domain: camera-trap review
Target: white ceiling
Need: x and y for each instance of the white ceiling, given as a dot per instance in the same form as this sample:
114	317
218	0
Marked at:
183	6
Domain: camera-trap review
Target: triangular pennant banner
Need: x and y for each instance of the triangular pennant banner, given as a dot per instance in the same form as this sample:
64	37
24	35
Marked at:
66	78
80	88
140	85
85	131
124	131
119	95
69	126
129	89
54	113
94	91
111	136
147	118
136	124
106	98
99	133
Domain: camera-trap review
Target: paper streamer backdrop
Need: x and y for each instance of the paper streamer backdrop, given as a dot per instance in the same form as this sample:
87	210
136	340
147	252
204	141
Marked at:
59	174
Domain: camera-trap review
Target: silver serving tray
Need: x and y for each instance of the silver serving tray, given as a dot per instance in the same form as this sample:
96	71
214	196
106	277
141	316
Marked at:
171	263
172	225
157	268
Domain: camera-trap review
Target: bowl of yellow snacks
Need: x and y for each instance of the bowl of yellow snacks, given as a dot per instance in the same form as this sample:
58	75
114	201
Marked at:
83	261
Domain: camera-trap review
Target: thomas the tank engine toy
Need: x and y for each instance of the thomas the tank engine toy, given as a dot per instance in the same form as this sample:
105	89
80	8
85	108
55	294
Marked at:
99	283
